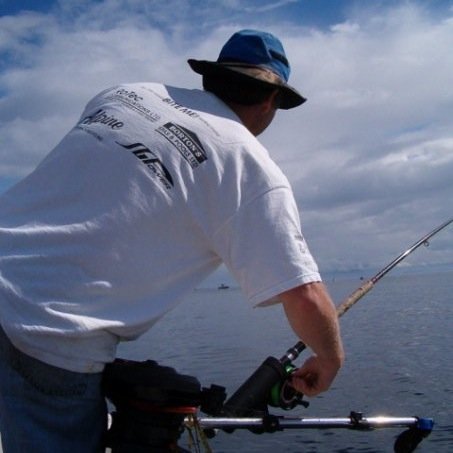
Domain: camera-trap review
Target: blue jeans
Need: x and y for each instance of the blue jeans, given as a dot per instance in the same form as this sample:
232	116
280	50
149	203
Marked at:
44	409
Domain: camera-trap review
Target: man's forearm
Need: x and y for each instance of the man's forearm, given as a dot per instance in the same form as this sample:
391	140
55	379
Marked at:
312	315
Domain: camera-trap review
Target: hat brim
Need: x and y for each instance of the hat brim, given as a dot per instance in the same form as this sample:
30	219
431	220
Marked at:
290	97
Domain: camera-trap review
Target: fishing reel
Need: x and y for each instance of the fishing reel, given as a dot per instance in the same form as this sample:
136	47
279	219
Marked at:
283	395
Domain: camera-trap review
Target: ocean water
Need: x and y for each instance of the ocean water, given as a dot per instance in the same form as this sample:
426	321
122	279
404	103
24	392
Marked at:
398	340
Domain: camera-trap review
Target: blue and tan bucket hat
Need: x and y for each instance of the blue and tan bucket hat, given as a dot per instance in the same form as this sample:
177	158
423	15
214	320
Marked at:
254	54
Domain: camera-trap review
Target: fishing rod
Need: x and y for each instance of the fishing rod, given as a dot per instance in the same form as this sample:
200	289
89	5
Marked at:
295	351
267	384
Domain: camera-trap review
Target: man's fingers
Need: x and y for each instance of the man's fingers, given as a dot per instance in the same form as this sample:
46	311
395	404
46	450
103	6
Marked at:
305	383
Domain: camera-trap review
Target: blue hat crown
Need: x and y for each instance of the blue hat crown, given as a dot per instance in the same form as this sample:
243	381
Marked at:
256	48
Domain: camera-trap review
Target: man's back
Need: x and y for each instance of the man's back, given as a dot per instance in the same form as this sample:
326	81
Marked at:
123	217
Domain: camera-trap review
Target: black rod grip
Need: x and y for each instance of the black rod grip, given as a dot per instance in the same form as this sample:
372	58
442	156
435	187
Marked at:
253	394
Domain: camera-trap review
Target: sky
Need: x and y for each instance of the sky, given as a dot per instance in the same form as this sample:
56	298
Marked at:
369	155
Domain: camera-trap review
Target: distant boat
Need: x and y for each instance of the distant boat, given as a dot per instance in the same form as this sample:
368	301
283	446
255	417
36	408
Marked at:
223	286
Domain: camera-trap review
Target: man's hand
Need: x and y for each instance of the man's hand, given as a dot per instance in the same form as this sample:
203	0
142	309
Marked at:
314	376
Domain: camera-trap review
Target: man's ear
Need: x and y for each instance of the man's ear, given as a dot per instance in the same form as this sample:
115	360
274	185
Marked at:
273	100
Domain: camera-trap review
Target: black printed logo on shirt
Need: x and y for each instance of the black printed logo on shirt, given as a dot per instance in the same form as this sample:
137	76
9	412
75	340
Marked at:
152	161
101	117
185	141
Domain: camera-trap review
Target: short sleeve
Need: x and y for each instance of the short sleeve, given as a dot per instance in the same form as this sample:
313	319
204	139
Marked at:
263	247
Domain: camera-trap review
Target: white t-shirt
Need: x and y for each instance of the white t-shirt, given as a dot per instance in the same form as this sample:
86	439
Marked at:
150	191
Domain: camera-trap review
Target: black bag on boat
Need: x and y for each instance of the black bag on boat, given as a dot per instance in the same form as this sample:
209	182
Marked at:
151	402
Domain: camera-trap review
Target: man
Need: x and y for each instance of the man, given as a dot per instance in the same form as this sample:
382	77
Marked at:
152	189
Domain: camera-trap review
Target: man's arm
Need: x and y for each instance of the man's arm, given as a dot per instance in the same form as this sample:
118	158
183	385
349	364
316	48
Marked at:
312	315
